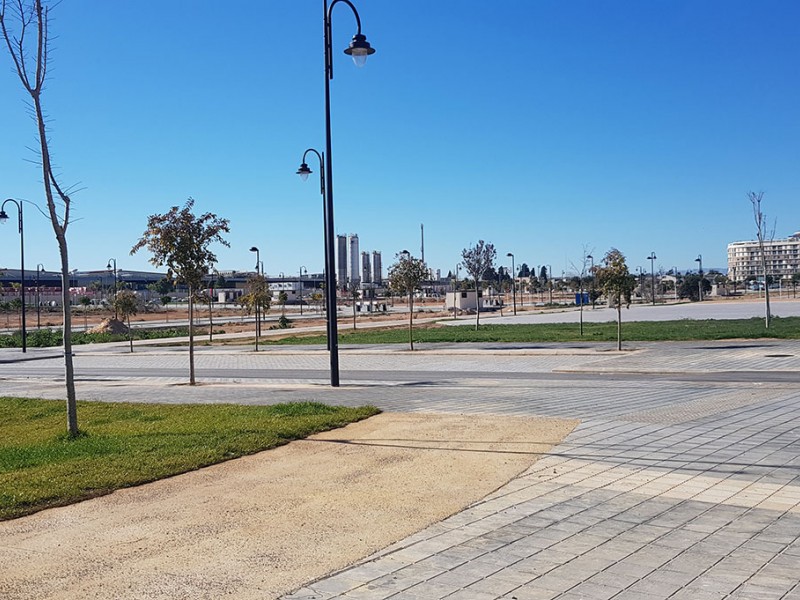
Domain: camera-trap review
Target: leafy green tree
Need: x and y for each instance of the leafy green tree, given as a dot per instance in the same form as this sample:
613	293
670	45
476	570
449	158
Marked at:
477	260
524	270
126	304
283	298
617	284
689	288
85	302
406	277
165	300
180	240
355	294
256	299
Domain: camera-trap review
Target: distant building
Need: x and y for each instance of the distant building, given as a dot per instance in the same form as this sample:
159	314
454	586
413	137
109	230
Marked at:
783	258
341	246
366	271
355	277
377	268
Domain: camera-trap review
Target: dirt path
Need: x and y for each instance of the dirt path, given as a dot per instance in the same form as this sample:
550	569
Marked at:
263	525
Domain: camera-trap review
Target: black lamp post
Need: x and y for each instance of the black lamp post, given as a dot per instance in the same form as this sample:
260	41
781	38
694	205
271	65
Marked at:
513	282
550	281
301	288
258	272
652	259
39	269
699	259
359	49
591	270
304	171
112	265
3	218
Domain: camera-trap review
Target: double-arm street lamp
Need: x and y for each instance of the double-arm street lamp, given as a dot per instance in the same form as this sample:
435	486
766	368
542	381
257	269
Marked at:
513	282
112	266
3	218
359	49
652	259
699	260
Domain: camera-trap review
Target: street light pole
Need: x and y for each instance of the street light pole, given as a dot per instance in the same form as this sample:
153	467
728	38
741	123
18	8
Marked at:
513	282
39	269
3	218
301	288
652	259
257	299
304	171
109	267
550	281
591	270
359	49
699	259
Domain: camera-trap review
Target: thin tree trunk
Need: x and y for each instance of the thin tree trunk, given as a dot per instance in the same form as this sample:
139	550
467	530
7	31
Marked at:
69	370
210	321
191	336
130	333
619	324
478	304
411	320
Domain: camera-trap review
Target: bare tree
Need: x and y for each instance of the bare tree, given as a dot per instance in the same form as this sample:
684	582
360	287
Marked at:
477	260
180	240
30	56
761	231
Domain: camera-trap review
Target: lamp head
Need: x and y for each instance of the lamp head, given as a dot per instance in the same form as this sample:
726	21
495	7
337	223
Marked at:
359	49
108	266
304	171
253	249
3	216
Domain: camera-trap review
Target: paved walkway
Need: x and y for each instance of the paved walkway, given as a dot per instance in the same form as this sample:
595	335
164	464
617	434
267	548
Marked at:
682	482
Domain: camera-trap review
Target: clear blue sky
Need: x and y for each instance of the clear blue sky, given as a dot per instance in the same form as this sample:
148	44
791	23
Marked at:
540	126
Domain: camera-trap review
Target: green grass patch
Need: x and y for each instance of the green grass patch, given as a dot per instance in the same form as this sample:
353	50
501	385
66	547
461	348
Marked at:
125	444
656	331
46	338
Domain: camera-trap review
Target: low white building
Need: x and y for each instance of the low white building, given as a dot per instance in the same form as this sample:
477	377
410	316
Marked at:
462	300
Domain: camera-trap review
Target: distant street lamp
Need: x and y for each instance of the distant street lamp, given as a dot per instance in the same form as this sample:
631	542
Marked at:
112	264
513	282
304	171
301	288
257	299
652	259
550	281
591	270
3	218
359	50
699	259
39	269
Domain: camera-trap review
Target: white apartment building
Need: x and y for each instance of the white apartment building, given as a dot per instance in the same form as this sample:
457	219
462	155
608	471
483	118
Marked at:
783	258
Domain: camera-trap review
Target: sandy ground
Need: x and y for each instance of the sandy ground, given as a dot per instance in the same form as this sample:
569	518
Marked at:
263	525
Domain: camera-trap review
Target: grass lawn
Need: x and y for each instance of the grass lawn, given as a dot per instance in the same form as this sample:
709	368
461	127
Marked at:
129	444
682	330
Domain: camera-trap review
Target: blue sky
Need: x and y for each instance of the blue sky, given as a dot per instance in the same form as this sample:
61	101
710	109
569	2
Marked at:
541	126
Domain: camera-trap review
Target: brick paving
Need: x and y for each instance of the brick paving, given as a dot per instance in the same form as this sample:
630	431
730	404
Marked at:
672	487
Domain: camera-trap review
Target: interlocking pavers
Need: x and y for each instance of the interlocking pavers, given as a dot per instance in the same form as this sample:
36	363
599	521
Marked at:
671	487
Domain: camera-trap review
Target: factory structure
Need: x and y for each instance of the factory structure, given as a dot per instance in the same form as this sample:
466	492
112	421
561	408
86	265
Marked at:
356	268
